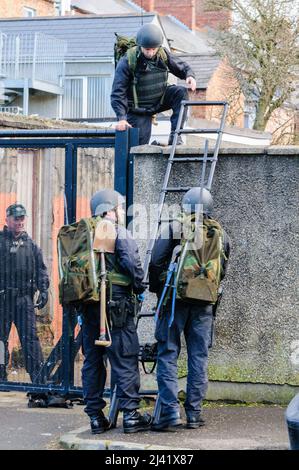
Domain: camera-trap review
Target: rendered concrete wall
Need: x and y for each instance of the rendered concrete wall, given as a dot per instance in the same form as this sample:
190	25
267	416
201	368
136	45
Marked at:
256	199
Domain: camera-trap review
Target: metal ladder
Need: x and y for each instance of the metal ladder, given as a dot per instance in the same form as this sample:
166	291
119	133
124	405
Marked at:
171	160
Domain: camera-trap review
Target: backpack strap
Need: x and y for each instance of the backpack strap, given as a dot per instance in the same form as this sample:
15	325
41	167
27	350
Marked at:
132	55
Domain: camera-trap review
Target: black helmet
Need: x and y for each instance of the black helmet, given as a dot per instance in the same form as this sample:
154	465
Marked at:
104	201
16	210
149	36
193	197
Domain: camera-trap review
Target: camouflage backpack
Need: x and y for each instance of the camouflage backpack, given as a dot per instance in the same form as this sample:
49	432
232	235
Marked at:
200	263
79	264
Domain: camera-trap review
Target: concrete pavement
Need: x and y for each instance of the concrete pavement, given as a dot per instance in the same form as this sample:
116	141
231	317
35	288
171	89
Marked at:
228	426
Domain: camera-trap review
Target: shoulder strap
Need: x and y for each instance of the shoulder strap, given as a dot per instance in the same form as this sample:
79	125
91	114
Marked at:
162	55
132	55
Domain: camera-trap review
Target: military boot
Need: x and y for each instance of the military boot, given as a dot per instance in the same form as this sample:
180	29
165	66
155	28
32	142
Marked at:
99	423
168	422
133	421
171	137
194	420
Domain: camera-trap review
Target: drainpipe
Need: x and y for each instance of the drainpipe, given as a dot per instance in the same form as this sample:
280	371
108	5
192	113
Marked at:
26	97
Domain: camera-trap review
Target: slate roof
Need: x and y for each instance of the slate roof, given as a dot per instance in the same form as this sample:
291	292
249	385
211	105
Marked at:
87	36
92	36
203	66
182	39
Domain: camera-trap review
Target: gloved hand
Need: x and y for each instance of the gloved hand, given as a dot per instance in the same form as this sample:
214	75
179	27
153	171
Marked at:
140	297
41	300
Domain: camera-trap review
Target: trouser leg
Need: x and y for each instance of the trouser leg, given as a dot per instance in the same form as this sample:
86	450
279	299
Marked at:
94	369
169	345
197	333
123	357
173	97
25	322
144	123
5	326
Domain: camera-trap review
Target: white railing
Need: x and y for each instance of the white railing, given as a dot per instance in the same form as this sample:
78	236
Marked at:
2	74
33	56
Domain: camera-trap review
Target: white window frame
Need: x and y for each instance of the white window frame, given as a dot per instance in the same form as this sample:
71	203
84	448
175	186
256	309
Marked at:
84	95
84	79
29	12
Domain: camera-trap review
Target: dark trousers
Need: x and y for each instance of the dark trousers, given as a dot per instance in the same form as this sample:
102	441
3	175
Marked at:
123	358
20	311
195	322
172	100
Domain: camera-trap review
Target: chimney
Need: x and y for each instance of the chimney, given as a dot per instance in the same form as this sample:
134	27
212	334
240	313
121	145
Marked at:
216	19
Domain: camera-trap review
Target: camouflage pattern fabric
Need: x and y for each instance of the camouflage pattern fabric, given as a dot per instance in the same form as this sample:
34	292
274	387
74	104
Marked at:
79	264
200	263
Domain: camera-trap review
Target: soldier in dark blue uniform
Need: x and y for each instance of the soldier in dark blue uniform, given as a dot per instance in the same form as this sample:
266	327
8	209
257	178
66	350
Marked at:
195	319
153	63
22	274
123	352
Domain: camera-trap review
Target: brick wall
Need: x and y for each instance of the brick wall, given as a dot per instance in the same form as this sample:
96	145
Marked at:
198	111
10	9
183	10
214	19
193	13
223	86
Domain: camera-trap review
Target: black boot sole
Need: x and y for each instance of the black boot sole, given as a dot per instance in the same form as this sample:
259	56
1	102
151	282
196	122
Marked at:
98	431
137	429
171	427
194	425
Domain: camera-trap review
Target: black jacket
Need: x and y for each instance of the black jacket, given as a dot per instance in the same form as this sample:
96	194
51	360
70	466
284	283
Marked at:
127	256
121	88
22	265
162	252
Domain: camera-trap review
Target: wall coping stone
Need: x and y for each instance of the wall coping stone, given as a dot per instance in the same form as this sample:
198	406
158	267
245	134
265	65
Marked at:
290	150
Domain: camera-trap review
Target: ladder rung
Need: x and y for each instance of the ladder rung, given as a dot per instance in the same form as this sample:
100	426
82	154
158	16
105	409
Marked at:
203	103
166	220
193	159
198	131
178	189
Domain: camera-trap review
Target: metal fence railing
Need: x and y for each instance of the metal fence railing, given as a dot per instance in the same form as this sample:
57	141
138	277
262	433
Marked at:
35	56
53	173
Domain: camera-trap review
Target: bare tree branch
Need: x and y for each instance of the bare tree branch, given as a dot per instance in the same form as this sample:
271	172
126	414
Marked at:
262	48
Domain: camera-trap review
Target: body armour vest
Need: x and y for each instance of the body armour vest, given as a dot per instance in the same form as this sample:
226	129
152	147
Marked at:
18	265
150	81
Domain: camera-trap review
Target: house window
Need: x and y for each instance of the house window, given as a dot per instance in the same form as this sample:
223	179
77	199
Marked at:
29	12
87	97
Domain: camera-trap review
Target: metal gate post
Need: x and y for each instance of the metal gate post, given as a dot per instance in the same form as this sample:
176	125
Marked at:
121	161
133	141
70	182
70	217
123	165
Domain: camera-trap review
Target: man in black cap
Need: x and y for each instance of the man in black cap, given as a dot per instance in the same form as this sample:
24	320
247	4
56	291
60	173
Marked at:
140	87
22	274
